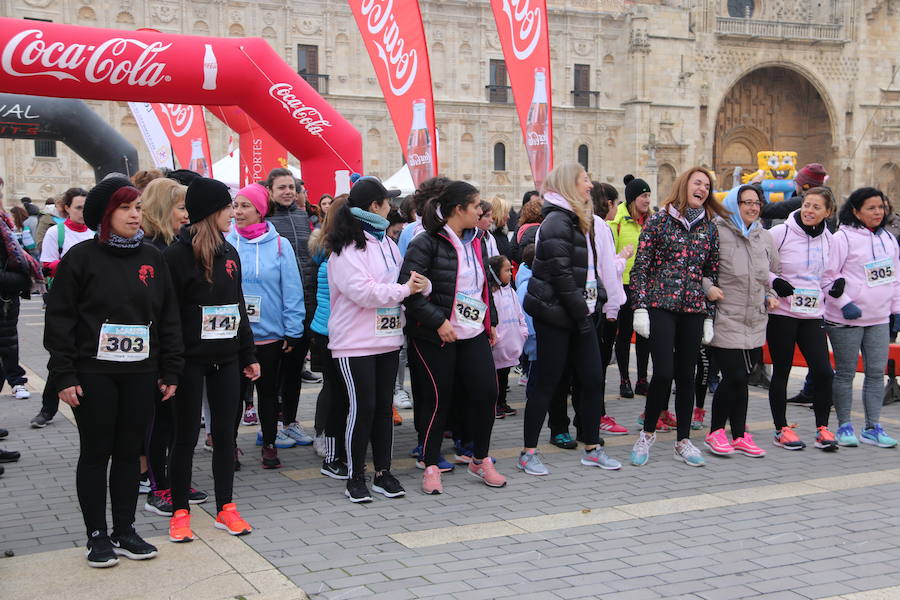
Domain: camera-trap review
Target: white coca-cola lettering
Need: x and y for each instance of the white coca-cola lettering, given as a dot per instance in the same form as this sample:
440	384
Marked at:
536	139
400	67
180	117
99	63
256	162
414	160
524	26
307	116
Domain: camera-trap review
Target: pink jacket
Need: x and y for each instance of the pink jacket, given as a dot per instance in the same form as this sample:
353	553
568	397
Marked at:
511	328
610	267
364	292
470	277
853	256
803	263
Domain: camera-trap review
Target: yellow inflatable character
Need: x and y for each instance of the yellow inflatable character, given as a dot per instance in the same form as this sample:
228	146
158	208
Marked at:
774	164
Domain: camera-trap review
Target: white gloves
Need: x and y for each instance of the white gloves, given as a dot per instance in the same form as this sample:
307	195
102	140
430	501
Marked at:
642	322
707	331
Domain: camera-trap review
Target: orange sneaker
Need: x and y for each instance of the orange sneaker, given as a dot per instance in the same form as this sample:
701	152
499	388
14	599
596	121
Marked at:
825	440
398	420
180	527
230	520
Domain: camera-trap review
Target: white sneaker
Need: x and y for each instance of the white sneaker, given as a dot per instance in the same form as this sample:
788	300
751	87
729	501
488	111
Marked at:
401	399
319	445
21	392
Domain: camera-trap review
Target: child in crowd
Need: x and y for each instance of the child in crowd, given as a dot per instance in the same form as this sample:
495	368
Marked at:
511	329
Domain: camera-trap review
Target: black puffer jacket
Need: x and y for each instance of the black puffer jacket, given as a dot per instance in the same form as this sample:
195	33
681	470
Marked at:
433	255
559	273
292	223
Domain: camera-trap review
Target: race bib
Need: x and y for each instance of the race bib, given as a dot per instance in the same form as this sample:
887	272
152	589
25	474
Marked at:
254	308
470	311
880	272
805	301
590	295
387	322
124	343
219	322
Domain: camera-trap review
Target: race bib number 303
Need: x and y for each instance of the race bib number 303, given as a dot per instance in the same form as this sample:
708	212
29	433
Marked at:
219	322
124	343
880	272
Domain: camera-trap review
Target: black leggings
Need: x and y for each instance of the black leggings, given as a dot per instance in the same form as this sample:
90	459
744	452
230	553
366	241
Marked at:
112	419
290	377
557	348
223	390
467	364
701	381
370	389
269	358
730	400
502	384
333	399
623	342
674	344
809	335
160	439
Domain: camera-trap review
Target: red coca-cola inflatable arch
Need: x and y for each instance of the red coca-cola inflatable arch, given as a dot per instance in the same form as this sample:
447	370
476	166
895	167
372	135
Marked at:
70	61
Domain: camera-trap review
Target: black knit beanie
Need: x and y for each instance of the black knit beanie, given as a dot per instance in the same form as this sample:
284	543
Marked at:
205	197
634	188
97	199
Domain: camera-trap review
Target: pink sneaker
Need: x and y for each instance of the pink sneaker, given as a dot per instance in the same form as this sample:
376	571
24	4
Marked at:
747	446
486	472
717	442
609	426
431	481
669	420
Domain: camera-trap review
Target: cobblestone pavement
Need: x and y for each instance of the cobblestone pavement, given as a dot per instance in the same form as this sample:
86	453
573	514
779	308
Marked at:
788	526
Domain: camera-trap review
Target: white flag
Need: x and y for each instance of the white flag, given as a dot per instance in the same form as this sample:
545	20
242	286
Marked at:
153	134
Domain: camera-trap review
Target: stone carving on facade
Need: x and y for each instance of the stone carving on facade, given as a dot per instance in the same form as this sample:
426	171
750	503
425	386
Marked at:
309	26
39	3
125	18
86	13
163	13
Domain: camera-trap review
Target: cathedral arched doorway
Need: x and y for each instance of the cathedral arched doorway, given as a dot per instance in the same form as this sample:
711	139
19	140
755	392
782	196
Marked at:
771	108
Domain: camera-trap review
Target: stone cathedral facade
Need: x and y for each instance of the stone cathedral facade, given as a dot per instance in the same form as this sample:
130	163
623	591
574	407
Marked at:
648	87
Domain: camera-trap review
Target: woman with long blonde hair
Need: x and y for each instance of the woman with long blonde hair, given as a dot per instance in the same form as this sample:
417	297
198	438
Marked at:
564	298
164	211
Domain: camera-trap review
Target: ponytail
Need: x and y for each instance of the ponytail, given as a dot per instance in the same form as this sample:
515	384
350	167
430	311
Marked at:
438	208
345	229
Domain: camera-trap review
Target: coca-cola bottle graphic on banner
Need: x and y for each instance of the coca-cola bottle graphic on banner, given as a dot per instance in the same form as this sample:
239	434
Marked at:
210	68
418	147
198	162
537	130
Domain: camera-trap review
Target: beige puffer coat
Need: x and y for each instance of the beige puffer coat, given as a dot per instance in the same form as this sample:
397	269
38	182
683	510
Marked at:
744	268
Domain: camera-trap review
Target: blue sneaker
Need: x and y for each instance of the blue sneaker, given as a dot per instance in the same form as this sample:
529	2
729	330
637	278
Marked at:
877	437
640	452
416	452
598	458
443	465
281	440
295	432
686	451
464	453
846	436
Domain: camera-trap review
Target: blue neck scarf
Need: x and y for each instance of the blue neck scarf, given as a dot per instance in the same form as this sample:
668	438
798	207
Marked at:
371	223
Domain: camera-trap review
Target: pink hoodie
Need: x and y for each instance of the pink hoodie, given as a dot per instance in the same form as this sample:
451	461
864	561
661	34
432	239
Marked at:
803	263
853	256
365	295
610	267
511	328
470	278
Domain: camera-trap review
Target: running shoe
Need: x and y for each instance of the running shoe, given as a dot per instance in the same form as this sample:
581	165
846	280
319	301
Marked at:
160	503
697	419
660	425
564	441
876	436
3	433
40	420
100	553
387	485
13	456
250	417
230	520
825	439
508	410
487	472
523	380
310	377
464	453
846	436
747	446
717	442
532	463
688	452
498	412
281	440
180	527
208	443
395	416
20	392
270	458
197	496
295	432
335	469
625	390
143	484
402	400
131	545
416	452
641	387
443	464
598	458
319	445
787	439
802	399
668	420
640	452
609	426
431	481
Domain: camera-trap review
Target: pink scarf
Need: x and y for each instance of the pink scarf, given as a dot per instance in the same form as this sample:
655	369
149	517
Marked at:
251	232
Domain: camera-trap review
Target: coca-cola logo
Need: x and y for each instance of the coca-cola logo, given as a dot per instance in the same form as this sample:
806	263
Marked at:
536	139
179	116
524	26
401	67
415	160
85	63
307	116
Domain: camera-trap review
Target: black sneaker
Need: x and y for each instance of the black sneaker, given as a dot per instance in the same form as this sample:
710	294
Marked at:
357	490
641	387
144	485
335	469
197	496
758	377
310	377
508	410
270	458
3	433
40	421
801	399
160	503
388	485
131	545
625	390
9	455
100	553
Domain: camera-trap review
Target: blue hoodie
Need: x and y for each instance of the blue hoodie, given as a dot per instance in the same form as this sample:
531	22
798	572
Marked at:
270	272
522	279
731	205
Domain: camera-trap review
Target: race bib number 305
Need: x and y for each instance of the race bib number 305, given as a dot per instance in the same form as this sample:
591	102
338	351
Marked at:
124	343
219	322
880	272
469	311
387	322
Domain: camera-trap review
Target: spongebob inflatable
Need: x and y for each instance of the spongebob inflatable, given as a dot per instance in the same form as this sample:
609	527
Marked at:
778	168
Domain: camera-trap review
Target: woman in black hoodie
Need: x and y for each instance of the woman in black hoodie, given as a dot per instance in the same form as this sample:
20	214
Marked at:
206	274
114	338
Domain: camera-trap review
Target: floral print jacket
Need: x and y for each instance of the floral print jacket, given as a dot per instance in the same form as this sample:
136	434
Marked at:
673	257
